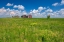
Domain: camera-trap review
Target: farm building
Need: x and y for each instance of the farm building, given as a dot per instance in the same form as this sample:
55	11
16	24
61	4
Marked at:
15	16
25	16
29	16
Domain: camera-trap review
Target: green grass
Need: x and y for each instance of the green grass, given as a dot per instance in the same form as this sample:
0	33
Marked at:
31	30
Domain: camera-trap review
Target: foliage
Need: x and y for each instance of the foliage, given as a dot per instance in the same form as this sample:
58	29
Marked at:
48	16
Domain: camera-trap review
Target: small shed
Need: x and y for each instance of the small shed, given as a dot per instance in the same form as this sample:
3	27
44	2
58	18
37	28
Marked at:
26	16
30	16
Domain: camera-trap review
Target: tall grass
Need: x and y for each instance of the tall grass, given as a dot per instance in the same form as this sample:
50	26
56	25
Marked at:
31	30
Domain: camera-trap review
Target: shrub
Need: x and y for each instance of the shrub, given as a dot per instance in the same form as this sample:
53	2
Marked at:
48	16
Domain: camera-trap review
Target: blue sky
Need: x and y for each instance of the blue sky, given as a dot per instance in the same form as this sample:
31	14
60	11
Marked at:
31	4
38	8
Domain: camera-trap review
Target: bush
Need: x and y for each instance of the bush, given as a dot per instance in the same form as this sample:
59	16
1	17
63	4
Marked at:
48	16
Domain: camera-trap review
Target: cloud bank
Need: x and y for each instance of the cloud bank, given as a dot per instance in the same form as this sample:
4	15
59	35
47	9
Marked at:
9	4
41	12
58	4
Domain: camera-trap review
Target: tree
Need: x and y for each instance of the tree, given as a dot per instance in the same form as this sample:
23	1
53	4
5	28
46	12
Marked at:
48	16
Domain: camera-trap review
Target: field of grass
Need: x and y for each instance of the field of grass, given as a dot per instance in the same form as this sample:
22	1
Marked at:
31	30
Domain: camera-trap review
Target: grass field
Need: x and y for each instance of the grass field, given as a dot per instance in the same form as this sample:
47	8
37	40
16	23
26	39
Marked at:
31	30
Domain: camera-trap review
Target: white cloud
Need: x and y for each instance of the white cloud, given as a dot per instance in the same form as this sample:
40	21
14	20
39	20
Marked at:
9	12
2	10
35	12
53	14
38	14
41	8
49	10
15	6
62	2
24	13
62	11
9	4
21	7
55	4
30	12
12	13
59	13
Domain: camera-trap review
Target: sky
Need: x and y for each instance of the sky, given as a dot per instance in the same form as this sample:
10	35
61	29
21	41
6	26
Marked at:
37	8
